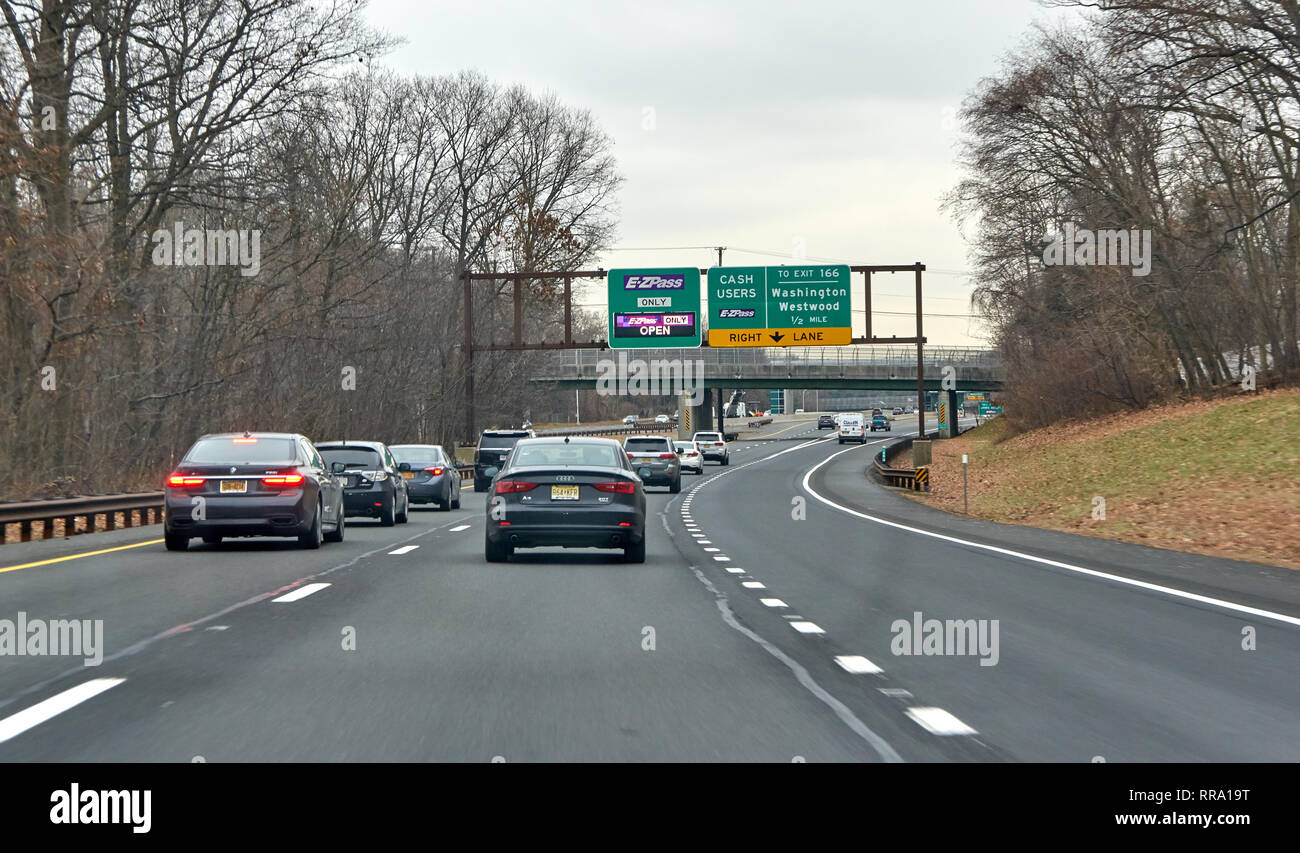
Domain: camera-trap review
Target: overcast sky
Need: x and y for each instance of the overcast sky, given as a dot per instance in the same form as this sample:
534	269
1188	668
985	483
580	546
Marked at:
757	125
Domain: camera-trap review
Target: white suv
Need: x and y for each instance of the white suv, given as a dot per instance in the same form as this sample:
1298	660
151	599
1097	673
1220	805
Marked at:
712	445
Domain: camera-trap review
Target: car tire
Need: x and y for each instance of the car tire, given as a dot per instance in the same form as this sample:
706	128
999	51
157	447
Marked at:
387	518
455	501
726	460
405	514
176	542
494	552
634	553
676	485
312	539
212	539
337	534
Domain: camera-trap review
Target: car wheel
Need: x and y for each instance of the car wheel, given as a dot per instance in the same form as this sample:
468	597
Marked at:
455	501
634	553
676	485
495	552
176	542
337	534
405	513
386	517
312	538
211	539
726	460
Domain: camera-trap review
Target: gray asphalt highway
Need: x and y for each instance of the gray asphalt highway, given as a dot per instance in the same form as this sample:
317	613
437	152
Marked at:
1104	651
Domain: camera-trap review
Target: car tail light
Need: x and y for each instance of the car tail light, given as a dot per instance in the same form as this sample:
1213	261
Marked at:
667	455
620	487
181	481
506	487
375	476
437	472
284	480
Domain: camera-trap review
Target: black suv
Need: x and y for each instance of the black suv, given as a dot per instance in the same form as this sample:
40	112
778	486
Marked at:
373	486
825	421
494	445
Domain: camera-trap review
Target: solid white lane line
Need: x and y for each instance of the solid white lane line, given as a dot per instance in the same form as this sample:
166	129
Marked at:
1070	567
301	592
16	724
937	721
857	664
459	528
773	602
807	627
405	549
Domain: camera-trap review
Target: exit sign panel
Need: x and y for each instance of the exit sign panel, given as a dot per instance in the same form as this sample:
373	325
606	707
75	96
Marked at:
780	306
654	307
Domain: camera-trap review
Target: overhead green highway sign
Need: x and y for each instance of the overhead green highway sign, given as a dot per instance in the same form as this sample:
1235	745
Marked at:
781	306
654	307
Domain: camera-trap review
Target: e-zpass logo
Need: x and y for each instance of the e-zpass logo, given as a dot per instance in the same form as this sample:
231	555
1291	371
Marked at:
736	312
654	282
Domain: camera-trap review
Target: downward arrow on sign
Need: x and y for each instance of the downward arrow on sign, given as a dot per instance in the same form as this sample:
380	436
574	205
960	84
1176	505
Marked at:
776	336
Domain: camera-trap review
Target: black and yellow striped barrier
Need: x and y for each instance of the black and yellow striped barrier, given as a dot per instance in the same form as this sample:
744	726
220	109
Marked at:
923	479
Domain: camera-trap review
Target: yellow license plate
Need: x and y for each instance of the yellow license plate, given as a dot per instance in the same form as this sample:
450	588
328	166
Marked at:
410	475
239	486
564	493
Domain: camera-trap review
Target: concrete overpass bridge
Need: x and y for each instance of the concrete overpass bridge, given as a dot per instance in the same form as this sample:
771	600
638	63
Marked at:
863	367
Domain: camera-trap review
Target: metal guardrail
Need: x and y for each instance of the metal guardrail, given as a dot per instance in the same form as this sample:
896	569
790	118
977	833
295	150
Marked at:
137	509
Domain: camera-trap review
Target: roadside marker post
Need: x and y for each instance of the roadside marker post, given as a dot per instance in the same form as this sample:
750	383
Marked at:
965	507
923	478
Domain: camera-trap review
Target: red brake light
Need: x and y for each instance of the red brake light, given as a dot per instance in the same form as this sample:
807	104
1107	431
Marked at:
667	455
437	472
620	487
283	480
506	487
244	440
182	481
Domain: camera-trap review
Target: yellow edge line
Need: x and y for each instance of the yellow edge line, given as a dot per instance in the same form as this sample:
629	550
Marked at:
79	556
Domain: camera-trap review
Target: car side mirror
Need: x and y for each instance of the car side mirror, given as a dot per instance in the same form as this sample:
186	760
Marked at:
337	467
403	466
490	472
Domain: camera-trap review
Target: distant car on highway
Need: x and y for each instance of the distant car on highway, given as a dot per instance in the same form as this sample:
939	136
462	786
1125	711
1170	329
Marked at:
655	460
631	420
851	429
662	419
373	486
712	445
430	476
826	421
252	484
898	410
880	422
567	493
690	455
493	447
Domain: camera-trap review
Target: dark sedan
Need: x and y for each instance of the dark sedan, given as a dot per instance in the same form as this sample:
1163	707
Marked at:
430	476
373	486
252	484
567	493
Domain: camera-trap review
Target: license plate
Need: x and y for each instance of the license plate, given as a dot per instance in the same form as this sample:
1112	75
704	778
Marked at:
564	493
228	486
410	475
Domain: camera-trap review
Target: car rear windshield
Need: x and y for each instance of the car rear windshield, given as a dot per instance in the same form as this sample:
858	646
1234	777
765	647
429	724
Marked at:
709	436
497	442
567	454
646	445
237	450
352	457
420	455
679	446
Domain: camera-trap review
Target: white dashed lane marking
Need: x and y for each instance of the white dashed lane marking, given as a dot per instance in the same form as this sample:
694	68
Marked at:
405	549
459	528
300	593
16	724
773	602
937	721
807	627
858	665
